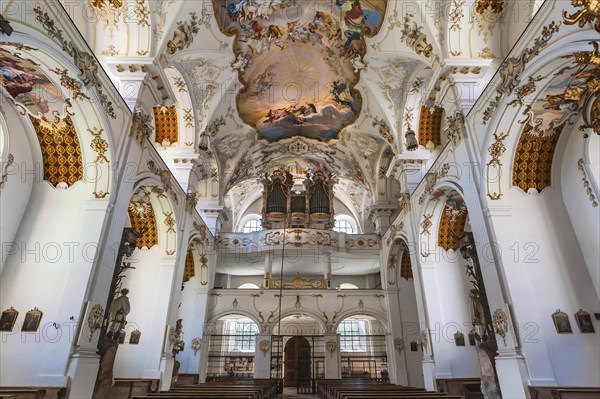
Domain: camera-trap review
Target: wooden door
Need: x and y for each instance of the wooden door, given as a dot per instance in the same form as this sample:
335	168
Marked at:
297	361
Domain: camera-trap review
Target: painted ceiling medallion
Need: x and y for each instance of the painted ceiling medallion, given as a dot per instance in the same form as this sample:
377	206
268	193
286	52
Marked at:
297	62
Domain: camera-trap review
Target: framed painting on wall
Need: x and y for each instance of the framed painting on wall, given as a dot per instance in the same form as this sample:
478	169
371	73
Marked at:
584	322
32	320
561	322
7	321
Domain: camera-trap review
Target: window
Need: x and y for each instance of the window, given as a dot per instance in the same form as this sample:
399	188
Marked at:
352	336
252	226
245	336
246	286
343	226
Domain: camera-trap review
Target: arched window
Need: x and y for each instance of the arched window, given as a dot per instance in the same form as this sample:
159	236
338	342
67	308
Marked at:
348	286
251	226
248	286
352	336
343	226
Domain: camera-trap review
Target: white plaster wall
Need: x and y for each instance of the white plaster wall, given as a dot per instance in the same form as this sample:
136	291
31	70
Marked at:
21	177
150	286
547	273
50	271
453	288
411	331
584	217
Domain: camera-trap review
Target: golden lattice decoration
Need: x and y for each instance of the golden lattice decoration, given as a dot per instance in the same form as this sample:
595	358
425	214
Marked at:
405	267
532	166
451	225
430	126
188	272
61	152
144	223
165	123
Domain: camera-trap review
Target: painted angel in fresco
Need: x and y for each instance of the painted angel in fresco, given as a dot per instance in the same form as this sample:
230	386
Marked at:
264	81
338	91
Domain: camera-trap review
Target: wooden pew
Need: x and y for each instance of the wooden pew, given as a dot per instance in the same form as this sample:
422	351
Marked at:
23	392
125	388
563	392
232	389
343	389
576	393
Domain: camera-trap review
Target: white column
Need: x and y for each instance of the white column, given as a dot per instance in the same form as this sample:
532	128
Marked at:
268	269
327	269
332	358
83	364
262	360
396	360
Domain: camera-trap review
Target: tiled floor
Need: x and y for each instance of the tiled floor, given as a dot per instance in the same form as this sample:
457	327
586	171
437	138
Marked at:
290	393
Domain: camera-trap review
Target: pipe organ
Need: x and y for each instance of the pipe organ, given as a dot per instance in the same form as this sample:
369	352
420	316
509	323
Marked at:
306	203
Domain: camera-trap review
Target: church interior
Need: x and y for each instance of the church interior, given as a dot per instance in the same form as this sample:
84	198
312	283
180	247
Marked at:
300	199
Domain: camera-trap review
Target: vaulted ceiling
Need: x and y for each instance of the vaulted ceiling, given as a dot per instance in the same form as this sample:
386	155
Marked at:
331	84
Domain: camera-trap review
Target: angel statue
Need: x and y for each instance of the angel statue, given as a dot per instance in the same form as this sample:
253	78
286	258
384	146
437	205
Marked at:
119	309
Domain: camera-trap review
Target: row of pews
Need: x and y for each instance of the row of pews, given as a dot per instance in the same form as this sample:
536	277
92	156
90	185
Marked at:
231	389
365	389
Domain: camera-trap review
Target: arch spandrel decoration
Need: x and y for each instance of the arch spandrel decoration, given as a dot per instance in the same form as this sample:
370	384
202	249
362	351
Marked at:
430	125
189	271
143	220
298	62
405	265
452	222
532	166
166	125
61	151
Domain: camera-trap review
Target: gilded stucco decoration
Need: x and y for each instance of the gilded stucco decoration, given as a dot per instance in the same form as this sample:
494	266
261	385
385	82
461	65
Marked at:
5	165
165	125
184	34
525	90
143	219
494	167
500	323
188	117
298	282
188	271
299	65
84	61
532	166
414	37
513	67
454	128
487	14
426	224
589	191
165	178
95	318
583	86
141	126
456	14
384	130
430	124
72	85
589	11
61	152
101	162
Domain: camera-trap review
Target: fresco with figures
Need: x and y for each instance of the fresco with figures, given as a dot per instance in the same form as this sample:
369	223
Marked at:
298	62
28	87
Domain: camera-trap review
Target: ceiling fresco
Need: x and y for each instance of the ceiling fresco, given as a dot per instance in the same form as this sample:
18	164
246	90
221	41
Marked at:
28	87
299	62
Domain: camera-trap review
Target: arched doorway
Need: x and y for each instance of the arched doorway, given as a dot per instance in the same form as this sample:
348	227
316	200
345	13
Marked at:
297	361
